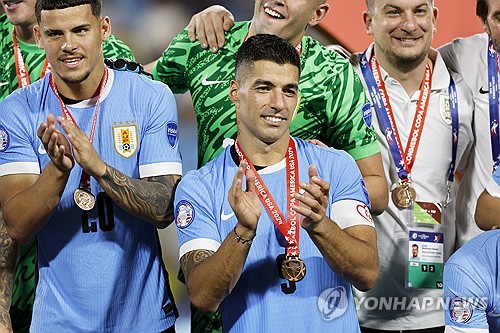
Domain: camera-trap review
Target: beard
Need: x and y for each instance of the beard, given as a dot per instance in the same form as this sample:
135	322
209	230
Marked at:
76	78
405	63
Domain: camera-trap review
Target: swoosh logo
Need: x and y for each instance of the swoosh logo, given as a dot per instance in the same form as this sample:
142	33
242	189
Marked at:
225	217
206	82
41	149
482	91
4	84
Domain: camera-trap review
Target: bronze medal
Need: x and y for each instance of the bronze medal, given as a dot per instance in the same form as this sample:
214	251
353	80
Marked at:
404	195
84	199
293	269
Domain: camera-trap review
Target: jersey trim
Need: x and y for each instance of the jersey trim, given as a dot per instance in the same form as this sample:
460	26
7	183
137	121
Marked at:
198	244
19	168
453	329
349	213
160	169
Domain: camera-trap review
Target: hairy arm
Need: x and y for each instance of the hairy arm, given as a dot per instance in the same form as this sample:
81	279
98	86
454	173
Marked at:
8	253
376	184
150	199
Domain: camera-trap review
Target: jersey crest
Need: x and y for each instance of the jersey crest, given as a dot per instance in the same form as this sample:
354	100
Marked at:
125	140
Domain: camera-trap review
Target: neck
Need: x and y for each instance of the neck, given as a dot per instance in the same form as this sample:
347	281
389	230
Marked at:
82	90
25	33
254	30
264	154
410	77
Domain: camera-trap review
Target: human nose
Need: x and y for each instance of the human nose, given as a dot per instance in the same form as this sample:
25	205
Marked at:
409	22
277	100
69	44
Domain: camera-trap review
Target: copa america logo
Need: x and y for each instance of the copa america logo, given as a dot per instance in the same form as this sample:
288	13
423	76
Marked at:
333	303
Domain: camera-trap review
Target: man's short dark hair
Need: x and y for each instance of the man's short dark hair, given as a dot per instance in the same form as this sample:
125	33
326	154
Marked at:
96	6
267	47
415	245
482	9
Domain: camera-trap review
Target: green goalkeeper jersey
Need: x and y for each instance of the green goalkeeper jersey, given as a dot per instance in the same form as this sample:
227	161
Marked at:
333	106
34	59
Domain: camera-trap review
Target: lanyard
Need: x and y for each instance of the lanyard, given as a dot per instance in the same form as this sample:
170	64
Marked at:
493	103
288	228
23	76
85	178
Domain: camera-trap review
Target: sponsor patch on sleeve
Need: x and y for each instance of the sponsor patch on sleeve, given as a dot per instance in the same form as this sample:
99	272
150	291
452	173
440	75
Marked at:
184	214
367	114
172	134
4	139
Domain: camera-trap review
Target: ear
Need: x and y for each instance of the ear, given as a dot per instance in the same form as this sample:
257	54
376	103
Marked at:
367	19
38	36
319	14
105	28
234	88
435	14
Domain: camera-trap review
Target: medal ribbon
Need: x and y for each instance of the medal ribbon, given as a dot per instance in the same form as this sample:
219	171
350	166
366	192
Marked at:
23	76
385	114
493	103
85	178
288	228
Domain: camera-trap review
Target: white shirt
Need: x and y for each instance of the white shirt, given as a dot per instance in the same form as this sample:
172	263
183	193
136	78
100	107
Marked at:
468	56
429	176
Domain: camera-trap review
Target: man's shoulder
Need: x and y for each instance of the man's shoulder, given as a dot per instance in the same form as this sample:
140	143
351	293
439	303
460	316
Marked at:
316	55
474	252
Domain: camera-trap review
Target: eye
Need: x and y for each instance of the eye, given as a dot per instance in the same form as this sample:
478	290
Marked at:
262	88
53	34
290	92
81	31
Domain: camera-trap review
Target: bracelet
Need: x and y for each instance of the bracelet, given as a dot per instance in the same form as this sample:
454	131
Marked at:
243	240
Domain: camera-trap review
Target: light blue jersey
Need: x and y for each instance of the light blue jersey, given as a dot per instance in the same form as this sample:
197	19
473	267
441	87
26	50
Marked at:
99	271
472	286
322	301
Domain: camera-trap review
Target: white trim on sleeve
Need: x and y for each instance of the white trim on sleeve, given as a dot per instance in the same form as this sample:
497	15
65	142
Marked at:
19	168
198	244
348	213
160	169
493	188
453	329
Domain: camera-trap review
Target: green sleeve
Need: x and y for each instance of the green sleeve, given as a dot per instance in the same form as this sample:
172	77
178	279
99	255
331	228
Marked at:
115	48
171	67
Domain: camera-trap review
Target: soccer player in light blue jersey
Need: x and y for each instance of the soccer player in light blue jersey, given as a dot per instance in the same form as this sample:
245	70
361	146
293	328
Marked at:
472	276
88	163
239	228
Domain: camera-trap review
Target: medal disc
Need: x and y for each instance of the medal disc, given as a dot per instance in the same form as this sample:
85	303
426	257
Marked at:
404	196
293	269
84	199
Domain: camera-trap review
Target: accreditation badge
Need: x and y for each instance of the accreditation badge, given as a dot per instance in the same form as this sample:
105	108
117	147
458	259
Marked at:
425	263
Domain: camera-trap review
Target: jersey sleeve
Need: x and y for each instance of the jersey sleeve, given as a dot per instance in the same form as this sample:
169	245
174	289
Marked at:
349	115
449	55
194	216
350	205
115	48
160	144
170	68
467	299
17	142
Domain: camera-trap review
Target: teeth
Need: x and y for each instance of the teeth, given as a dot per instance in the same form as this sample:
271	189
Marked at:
273	13
12	3
273	119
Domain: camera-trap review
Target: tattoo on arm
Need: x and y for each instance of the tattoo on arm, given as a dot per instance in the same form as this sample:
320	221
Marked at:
192	259
8	254
152	198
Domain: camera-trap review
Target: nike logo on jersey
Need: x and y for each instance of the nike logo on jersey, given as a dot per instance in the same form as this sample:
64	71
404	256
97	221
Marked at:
3	84
41	149
206	82
225	217
482	91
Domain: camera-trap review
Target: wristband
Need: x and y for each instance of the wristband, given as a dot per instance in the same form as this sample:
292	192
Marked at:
243	240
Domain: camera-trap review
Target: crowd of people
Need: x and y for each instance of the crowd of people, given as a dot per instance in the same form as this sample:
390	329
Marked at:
323	177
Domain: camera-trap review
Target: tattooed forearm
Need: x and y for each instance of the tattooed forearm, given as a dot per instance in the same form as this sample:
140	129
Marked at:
150	199
192	259
8	253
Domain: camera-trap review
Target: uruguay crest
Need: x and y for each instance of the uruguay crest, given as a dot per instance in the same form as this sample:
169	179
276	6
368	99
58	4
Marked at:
125	140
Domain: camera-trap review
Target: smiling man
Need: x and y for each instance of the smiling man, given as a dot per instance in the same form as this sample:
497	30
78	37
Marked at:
98	188
22	62
253	263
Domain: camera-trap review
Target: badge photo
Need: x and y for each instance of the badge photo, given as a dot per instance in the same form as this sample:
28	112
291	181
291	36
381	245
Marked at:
125	140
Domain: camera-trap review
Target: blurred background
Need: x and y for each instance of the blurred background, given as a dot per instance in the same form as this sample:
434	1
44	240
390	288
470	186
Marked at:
148	26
